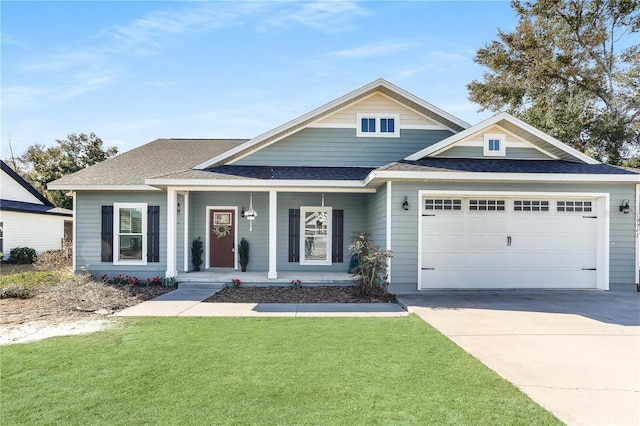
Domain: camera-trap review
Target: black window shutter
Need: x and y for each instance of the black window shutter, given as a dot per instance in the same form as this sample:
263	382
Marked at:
106	251
153	233
337	240
294	235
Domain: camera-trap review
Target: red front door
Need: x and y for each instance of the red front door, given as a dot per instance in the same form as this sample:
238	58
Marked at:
221	238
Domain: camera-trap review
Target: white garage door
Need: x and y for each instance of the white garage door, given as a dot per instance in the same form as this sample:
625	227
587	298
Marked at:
515	242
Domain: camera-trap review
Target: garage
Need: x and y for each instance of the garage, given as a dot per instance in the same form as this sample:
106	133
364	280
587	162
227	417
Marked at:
517	241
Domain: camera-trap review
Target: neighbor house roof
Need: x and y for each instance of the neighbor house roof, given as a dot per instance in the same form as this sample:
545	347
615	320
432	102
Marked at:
22	207
26	185
158	158
380	85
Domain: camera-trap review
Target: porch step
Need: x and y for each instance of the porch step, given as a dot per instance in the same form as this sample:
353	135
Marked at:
200	286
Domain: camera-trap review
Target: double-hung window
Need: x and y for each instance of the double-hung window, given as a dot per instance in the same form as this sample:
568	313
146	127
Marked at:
316	235
494	145
378	125
130	236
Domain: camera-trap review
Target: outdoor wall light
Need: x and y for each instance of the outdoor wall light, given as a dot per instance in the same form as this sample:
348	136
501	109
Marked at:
242	212
405	205
624	207
178	208
250	214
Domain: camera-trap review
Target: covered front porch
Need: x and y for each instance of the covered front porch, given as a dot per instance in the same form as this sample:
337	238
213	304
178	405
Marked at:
287	238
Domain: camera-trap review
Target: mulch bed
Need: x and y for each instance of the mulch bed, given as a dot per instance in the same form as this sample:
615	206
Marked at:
315	294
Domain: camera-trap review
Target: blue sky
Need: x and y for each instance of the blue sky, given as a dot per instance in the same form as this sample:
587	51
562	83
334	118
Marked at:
134	71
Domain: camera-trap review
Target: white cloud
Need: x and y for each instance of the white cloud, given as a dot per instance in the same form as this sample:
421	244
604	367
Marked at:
329	16
16	97
375	49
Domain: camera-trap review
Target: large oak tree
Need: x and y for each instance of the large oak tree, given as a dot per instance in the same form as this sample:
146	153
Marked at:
572	69
40	165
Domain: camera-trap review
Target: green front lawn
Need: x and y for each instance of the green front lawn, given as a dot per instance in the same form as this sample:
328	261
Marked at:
257	371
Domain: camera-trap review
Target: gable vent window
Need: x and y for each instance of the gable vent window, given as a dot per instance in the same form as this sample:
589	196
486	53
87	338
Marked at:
435	204
574	206
530	206
486	205
494	145
378	125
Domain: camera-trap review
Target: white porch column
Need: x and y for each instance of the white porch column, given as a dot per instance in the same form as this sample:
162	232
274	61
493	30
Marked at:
185	221
172	199
273	232
388	233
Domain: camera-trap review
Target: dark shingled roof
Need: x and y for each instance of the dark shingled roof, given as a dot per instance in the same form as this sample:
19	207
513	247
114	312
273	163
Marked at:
158	158
21	206
294	172
506	166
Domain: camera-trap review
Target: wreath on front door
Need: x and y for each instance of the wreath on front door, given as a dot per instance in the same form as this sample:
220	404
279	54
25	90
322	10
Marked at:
221	231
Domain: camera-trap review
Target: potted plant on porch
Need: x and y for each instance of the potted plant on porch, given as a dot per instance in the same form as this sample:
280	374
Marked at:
196	253
243	254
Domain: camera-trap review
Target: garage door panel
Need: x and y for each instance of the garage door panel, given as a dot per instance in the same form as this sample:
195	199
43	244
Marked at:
509	249
534	260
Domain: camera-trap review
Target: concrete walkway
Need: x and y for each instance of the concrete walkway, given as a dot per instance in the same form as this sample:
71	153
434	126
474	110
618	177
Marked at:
187	303
576	353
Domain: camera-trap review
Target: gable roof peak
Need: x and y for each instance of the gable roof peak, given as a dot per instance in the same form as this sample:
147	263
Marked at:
515	125
379	85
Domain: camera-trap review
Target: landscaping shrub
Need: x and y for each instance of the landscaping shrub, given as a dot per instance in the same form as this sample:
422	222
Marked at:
15	292
22	256
370	273
55	260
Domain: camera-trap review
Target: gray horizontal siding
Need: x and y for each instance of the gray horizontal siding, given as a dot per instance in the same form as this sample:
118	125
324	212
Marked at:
258	237
405	226
341	147
88	233
355	220
478	152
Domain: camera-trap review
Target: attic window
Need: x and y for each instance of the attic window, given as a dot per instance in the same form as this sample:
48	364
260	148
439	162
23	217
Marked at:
378	125
494	145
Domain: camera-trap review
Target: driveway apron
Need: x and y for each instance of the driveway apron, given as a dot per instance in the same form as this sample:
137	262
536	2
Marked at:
576	353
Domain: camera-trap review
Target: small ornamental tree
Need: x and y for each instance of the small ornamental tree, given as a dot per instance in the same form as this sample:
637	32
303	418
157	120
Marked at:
197	248
371	273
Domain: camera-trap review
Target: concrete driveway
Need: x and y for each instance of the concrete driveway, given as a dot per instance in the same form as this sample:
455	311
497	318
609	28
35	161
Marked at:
576	353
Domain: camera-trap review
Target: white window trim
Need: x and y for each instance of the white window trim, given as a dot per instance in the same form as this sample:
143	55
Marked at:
116	233
502	152
378	133
313	209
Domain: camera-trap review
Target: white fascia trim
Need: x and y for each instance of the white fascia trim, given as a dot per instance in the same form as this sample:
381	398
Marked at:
104	187
494	120
402	127
321	110
257	183
205	188
514	177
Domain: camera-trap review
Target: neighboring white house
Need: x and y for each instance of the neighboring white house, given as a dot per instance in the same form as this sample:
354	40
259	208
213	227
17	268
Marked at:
27	218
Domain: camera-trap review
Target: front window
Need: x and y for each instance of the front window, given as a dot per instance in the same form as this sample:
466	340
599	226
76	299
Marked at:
316	235
495	145
129	239
378	125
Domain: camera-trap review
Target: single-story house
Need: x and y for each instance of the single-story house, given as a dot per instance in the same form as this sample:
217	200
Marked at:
499	204
28	218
